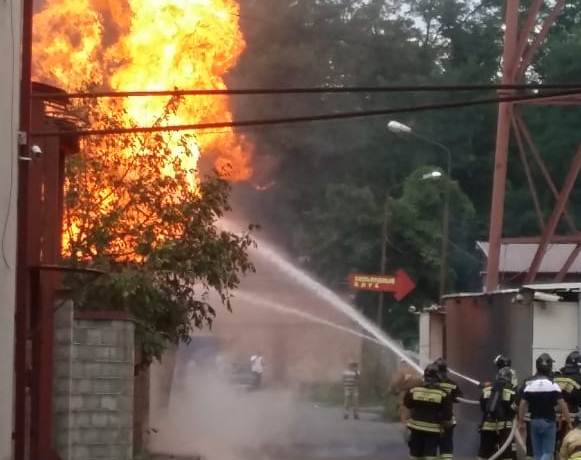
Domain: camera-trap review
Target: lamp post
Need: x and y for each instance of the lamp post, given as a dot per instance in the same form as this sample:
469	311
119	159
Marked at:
386	215
399	128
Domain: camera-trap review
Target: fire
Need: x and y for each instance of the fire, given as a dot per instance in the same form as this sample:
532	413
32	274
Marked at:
129	45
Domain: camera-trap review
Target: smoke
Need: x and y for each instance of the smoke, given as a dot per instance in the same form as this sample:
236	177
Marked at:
211	417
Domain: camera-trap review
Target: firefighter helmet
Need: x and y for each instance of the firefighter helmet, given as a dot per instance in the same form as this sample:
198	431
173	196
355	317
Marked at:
573	359
431	374
505	374
442	365
502	361
544	364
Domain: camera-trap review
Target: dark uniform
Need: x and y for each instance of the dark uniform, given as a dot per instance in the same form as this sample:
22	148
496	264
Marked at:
430	413
498	404
447	439
569	380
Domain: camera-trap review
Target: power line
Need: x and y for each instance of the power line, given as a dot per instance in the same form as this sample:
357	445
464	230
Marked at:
303	119
308	90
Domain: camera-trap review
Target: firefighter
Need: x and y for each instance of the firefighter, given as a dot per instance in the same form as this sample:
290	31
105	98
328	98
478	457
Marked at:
430	412
569	380
571	445
498	404
501	362
452	388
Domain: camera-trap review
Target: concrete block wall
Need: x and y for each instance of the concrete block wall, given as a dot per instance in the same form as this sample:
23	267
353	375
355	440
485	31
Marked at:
99	395
63	342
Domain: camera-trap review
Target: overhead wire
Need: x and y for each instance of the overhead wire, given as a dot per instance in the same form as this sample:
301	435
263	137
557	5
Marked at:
308	90
305	118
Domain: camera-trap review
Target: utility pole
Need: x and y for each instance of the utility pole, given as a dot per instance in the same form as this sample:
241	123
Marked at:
383	262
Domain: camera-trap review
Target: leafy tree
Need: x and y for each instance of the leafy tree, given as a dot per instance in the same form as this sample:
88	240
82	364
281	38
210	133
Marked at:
331	178
135	209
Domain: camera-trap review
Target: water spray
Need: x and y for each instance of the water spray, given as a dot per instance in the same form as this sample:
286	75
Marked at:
332	298
260	301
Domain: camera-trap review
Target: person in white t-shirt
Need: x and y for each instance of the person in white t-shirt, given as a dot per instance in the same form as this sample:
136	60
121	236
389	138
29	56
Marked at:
257	369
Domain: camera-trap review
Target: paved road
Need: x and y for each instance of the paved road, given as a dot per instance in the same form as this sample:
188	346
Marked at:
321	433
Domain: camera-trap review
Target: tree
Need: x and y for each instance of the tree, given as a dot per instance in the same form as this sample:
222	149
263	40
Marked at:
135	208
331	178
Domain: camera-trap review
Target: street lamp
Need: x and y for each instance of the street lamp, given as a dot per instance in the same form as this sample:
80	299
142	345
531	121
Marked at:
435	174
399	128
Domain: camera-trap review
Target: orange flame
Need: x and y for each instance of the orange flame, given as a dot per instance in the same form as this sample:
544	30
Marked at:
146	45
149	45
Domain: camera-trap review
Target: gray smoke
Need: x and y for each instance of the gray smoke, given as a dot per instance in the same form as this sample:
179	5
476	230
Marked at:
209	416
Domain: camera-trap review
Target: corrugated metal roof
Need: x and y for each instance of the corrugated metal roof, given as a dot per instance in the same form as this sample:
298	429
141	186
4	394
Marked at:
545	287
517	257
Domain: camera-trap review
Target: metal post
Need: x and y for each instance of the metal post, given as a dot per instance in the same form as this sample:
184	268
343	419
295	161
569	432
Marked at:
501	155
383	263
445	213
579	322
446	227
551	226
22	272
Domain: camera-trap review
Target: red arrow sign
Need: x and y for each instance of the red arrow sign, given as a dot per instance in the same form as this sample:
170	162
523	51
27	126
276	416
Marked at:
400	284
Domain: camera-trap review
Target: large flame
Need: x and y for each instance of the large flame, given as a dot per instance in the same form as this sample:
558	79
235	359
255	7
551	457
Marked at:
149	45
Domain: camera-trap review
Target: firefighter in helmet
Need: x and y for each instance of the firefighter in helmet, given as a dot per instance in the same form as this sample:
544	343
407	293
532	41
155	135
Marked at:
498	404
452	388
430	412
571	445
569	380
502	361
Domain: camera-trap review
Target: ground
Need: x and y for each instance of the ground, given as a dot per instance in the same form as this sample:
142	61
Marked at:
321	433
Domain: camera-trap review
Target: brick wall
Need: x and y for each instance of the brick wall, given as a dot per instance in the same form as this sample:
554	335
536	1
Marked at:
94	397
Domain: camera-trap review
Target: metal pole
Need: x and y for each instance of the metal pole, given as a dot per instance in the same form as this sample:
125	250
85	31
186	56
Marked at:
445	213
446	228
383	262
553	221
22	272
501	155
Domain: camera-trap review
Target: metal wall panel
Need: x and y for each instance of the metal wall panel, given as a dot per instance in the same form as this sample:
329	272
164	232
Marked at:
554	330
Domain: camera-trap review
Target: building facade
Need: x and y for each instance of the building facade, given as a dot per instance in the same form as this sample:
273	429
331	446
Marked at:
10	36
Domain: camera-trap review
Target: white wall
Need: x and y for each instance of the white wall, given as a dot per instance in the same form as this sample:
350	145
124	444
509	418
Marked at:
10	27
554	330
424	339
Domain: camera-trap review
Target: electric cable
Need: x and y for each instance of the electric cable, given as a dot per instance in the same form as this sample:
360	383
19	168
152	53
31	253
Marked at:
309	90
11	137
304	118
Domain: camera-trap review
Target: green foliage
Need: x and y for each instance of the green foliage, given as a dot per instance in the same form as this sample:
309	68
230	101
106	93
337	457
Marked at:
135	210
332	177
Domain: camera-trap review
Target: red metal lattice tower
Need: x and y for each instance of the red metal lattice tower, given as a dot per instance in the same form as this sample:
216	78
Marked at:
525	32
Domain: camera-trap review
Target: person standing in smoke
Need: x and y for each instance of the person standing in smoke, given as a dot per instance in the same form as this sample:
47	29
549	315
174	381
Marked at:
257	369
498	404
452	389
430	413
569	380
540	396
351	390
404	378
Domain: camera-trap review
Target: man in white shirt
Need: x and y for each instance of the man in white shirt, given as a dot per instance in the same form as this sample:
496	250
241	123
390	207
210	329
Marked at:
351	390
257	369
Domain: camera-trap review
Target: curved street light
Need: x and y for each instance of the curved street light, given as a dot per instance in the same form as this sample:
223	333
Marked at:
434	174
399	128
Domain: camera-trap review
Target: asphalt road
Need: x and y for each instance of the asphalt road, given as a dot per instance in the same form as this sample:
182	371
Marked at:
321	433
